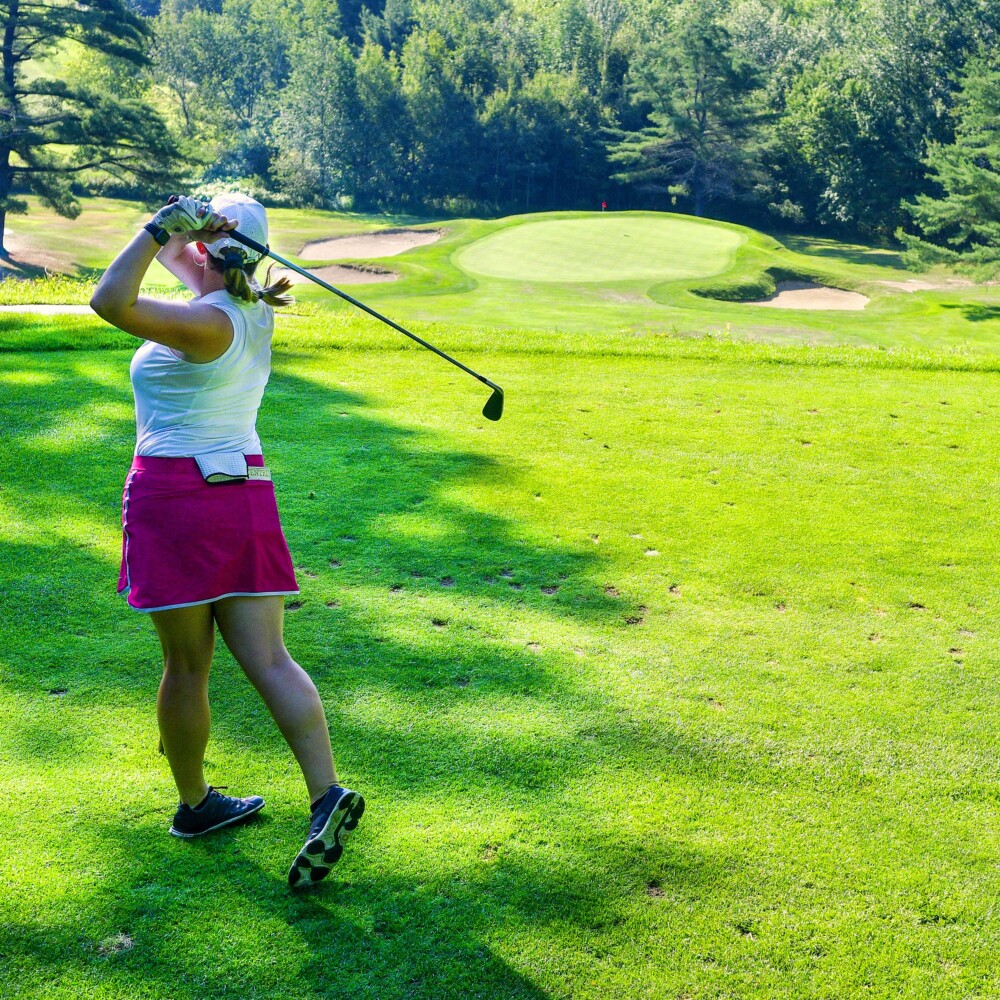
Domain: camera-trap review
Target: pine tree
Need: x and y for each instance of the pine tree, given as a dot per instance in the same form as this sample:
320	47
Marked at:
699	92
963	225
53	131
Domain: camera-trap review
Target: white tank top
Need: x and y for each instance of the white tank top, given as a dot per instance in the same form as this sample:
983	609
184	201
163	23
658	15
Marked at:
184	409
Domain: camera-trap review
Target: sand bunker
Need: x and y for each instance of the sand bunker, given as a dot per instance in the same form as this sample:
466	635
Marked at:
339	274
387	243
806	295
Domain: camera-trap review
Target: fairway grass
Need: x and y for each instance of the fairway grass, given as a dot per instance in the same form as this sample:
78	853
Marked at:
585	274
84	246
680	681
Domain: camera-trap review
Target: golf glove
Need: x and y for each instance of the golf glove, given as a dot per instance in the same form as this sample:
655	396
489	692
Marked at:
185	215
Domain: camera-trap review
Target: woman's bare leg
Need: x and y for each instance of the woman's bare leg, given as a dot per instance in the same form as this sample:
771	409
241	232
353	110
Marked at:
187	636
252	628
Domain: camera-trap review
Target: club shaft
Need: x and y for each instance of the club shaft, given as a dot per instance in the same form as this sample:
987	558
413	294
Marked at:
259	248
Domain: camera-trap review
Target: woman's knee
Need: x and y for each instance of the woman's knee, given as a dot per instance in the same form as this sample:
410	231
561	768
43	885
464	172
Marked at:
274	665
187	664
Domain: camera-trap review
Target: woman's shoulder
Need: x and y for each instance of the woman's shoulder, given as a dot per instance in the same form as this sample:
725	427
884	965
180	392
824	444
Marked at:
252	321
222	298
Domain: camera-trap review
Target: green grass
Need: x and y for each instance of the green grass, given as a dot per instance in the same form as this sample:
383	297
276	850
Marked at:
680	681
617	247
84	246
526	272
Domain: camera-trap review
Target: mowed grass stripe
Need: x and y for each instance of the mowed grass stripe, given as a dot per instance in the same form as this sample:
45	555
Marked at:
681	678
603	248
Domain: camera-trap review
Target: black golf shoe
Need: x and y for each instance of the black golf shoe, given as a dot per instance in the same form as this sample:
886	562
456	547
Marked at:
333	818
214	812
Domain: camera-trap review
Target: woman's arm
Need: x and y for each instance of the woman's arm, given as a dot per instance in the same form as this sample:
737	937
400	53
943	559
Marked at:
180	258
200	332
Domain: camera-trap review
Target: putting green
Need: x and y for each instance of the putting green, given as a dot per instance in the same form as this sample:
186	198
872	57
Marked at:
604	248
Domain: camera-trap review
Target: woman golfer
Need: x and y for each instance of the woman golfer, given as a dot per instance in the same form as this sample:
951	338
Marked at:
202	543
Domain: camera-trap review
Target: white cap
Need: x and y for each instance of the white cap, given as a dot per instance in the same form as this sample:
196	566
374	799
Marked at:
251	220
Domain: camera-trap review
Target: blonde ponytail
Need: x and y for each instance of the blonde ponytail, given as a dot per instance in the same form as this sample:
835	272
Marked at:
275	294
237	278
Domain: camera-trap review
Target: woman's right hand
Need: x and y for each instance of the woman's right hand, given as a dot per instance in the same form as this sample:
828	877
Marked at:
213	227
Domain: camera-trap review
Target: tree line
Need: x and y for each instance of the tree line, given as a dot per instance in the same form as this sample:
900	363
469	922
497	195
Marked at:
866	116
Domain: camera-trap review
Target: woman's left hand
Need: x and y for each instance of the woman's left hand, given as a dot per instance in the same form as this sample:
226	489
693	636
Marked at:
188	216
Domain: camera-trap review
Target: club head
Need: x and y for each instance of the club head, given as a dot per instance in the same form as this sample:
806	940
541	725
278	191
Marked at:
493	410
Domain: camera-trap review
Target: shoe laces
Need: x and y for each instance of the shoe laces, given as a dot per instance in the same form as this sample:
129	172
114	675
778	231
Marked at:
204	801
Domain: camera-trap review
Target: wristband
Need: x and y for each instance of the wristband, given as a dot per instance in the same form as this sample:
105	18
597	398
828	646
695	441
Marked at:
158	233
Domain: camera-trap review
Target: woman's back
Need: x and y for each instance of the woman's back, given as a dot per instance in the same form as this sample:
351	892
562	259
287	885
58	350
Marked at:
184	408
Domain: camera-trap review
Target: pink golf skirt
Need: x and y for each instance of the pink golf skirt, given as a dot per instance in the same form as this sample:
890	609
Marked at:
185	541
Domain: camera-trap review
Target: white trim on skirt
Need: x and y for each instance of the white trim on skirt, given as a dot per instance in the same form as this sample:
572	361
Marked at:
212	600
125	503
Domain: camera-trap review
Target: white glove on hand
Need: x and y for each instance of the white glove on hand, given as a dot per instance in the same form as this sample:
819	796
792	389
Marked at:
185	215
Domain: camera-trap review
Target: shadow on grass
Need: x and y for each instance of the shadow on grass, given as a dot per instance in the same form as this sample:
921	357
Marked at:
974	312
13	267
379	934
379	492
812	246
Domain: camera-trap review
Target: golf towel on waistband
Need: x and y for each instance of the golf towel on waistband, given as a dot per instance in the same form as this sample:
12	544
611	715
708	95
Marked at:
222	466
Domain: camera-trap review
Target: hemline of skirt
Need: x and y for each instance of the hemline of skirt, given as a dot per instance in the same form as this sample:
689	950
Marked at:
211	600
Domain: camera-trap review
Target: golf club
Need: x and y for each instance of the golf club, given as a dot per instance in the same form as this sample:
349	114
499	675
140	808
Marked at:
493	409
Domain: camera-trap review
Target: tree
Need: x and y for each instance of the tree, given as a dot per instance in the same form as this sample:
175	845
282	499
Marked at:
383	133
579	45
962	225
541	145
55	130
352	15
857	122
390	29
445	127
320	113
226	62
609	16
176	61
701	142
